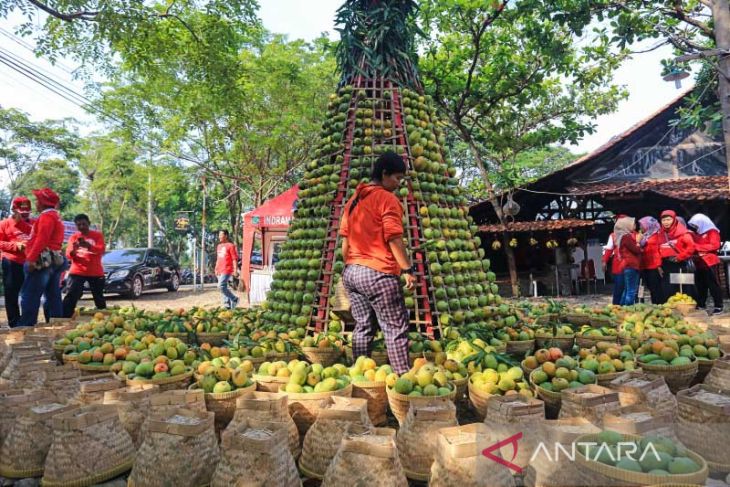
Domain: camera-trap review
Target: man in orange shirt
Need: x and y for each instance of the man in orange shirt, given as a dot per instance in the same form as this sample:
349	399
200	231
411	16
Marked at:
85	249
14	235
225	267
375	257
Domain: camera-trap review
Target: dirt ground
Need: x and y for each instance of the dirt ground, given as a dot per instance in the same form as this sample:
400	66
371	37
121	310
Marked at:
161	299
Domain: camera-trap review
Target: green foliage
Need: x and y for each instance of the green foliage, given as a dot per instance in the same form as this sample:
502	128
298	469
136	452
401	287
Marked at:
52	173
377	40
511	81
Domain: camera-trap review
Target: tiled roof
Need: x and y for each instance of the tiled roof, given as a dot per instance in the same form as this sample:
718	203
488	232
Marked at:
693	188
537	226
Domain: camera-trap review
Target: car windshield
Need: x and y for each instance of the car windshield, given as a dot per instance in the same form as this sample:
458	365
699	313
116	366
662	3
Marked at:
123	257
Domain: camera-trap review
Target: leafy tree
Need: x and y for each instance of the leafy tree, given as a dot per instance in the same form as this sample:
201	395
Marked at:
92	31
56	174
24	144
510	80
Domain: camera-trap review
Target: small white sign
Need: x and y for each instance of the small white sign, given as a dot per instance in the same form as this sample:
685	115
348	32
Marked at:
682	278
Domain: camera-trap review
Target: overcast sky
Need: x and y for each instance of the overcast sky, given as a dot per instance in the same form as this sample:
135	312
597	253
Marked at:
307	19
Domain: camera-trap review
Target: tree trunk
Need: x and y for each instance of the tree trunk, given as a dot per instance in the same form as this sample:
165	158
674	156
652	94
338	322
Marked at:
491	196
721	21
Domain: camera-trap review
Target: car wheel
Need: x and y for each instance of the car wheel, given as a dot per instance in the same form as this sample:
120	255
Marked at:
137	287
174	283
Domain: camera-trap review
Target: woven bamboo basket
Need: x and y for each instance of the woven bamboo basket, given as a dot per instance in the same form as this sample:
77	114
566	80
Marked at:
380	357
704	367
596	473
591	402
223	405
325	356
462	389
605	379
543	471
91	389
27	370
598	321
412	356
401	403
341	305
183	337
479	400
564	343
366	457
641	420
458	459
527	370
589	342
133	404
520	347
90	446
215	339
265	406
24	450
642	388
552	399
377	398
179	448
704	422
15	401
677	377
304	407
513	414
269	383
87	369
324	437
69	359
719	375
256	454
416	438
578	319
168	403
63	382
180	381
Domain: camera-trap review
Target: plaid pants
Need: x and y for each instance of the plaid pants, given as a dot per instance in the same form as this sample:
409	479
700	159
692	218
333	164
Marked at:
374	294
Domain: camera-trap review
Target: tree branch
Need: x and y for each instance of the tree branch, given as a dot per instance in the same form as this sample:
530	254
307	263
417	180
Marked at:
68	17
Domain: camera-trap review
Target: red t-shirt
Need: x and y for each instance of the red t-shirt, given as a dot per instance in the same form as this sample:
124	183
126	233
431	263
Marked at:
226	259
375	221
707	246
12	232
612	254
650	257
47	233
86	261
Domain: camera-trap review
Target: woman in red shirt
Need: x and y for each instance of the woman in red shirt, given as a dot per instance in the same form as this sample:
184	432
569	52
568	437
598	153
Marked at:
44	261
630	254
676	248
706	238
651	261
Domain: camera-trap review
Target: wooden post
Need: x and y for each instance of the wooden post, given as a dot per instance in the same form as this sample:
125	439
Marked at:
721	21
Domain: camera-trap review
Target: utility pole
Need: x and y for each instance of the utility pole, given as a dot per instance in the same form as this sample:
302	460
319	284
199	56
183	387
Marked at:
149	208
721	22
202	240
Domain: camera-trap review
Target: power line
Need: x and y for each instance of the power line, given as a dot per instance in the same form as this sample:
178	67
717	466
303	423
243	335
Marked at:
21	42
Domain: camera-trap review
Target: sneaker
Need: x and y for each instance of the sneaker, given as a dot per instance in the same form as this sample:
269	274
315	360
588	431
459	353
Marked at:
717	311
234	303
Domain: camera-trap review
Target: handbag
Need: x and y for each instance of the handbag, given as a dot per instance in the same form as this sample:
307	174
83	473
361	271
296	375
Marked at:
687	265
50	258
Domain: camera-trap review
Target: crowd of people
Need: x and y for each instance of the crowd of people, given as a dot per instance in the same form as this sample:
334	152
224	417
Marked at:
33	261
653	250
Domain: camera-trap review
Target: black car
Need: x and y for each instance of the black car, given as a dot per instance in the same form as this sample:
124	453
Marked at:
131	271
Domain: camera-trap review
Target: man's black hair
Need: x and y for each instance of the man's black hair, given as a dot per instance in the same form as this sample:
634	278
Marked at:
82	217
225	232
388	163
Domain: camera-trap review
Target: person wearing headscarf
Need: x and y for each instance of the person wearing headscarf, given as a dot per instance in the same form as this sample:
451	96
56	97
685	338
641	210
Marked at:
610	253
14	235
707	242
44	261
630	254
676	248
651	261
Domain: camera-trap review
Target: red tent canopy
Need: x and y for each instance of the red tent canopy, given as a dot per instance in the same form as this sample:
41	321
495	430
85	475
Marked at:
274	214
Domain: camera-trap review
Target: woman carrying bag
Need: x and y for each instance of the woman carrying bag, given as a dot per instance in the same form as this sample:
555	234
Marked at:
706	238
676	249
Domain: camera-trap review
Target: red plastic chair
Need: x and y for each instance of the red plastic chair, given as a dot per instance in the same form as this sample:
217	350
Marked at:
588	274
